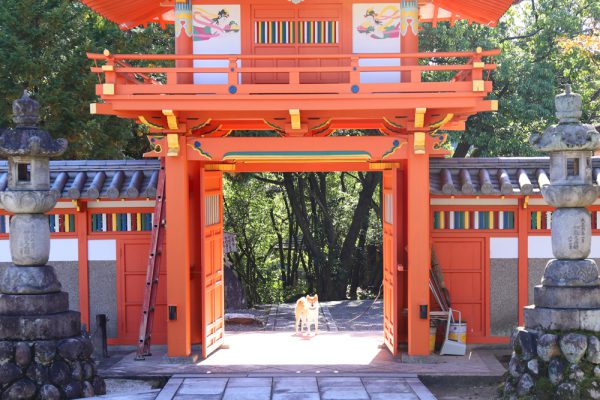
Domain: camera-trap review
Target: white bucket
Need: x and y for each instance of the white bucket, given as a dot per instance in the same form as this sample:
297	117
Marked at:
458	332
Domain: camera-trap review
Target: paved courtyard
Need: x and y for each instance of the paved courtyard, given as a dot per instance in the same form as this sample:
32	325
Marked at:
272	353
346	360
334	316
181	387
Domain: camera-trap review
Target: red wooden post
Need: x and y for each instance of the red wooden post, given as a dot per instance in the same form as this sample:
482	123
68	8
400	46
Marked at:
184	43
178	253
523	266
419	257
409	41
81	227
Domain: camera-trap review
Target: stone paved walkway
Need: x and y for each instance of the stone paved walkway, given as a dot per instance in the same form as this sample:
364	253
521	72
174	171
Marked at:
334	316
282	318
270	353
182	387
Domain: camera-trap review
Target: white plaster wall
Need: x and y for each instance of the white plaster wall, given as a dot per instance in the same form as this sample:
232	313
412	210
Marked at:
4	251
504	247
540	247
63	250
595	247
102	250
60	250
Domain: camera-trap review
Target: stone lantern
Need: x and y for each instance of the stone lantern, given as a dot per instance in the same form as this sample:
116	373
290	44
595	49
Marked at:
557	352
43	353
571	145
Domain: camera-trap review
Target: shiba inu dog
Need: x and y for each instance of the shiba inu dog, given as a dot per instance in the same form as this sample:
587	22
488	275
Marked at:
307	312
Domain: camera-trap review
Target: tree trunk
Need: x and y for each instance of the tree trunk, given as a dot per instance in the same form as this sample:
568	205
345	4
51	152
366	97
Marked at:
361	213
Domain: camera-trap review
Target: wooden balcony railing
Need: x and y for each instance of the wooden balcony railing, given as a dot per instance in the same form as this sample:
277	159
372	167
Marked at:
443	72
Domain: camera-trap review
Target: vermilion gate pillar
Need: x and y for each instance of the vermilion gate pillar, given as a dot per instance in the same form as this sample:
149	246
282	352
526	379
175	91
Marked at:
419	253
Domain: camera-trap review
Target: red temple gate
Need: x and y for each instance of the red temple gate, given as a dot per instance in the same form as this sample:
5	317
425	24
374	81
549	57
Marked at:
362	70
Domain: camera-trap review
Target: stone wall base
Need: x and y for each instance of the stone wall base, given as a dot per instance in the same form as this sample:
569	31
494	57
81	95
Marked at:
553	365
49	369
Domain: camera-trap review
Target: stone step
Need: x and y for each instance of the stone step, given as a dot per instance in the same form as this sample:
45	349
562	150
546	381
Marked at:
40	327
562	318
34	304
566	297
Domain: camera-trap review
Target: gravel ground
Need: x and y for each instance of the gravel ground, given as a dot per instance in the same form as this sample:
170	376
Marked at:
261	312
123	386
357	315
348	315
463	388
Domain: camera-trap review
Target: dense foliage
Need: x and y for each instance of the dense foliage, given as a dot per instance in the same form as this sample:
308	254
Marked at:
43	45
545	44
304	232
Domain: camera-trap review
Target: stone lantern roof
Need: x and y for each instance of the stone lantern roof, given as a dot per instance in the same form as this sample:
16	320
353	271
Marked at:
26	139
569	134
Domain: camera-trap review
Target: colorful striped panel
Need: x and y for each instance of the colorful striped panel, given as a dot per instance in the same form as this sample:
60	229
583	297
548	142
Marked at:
318	32
61	223
479	220
274	32
595	219
128	222
541	220
4	224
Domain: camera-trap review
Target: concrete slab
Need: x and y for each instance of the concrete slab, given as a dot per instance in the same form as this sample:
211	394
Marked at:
268	354
295	388
295	396
250	382
394	396
170	389
248	393
326	383
344	394
202	386
385	385
295	385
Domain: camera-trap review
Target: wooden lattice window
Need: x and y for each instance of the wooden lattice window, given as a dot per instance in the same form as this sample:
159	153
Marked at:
302	32
478	220
61	223
274	32
212	211
58	223
541	220
318	32
389	208
4	224
121	222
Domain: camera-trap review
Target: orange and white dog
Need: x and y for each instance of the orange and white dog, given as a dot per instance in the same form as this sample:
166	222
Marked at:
307	312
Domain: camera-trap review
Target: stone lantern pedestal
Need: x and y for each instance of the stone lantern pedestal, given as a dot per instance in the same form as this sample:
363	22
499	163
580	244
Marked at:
557	352
43	352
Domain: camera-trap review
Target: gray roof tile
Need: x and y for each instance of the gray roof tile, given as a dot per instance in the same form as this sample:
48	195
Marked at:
440	170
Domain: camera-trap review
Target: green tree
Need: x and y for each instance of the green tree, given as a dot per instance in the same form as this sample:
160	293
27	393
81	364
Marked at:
43	45
534	64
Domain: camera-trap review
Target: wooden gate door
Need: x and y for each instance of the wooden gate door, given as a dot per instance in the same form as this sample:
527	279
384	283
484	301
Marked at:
390	261
213	301
463	265
132	263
